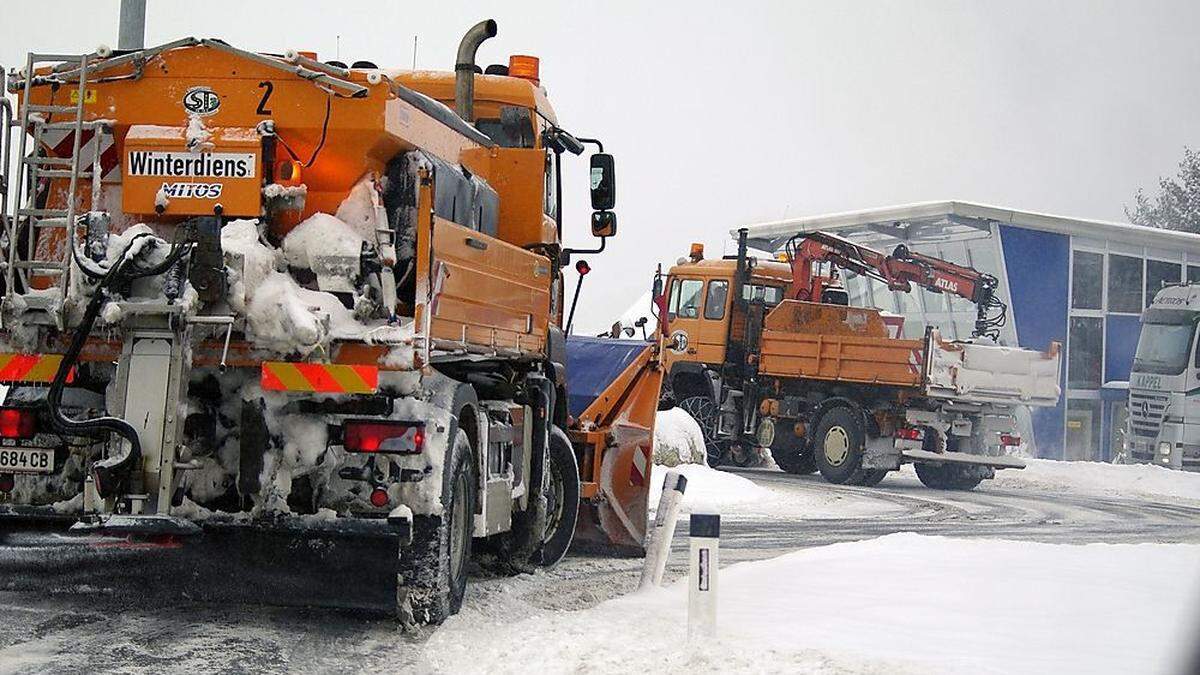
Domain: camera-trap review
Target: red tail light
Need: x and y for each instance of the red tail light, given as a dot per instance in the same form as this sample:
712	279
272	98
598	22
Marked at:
910	434
404	438
18	423
1010	440
379	498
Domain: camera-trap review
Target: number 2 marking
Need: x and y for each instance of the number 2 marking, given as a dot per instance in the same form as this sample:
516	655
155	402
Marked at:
262	105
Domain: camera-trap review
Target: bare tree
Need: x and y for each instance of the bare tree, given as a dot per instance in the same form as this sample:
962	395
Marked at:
1177	204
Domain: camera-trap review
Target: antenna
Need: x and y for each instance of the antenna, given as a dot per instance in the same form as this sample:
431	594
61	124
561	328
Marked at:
414	52
337	52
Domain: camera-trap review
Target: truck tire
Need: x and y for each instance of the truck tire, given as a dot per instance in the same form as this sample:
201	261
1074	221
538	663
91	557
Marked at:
433	568
838	447
541	534
562	500
949	476
792	454
704	411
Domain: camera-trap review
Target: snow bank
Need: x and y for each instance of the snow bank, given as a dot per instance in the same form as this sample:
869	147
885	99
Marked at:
734	497
677	438
1114	480
946	605
709	489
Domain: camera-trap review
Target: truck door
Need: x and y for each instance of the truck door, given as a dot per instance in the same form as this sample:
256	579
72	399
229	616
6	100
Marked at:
696	315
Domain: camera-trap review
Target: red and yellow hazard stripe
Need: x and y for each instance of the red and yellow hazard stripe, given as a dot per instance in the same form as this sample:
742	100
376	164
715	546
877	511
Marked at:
31	367
320	377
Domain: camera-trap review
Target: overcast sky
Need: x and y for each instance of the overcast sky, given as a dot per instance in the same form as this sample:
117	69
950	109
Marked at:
723	114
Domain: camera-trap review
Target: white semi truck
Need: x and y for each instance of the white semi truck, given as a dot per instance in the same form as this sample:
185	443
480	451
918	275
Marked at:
1164	384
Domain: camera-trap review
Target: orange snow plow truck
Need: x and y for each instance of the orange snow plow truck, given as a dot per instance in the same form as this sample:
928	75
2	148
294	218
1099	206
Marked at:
286	330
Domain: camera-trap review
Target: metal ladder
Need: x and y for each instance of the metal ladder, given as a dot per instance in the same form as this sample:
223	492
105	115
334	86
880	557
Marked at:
33	121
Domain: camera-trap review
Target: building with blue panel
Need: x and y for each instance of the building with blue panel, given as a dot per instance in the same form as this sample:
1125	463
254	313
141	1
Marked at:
1080	282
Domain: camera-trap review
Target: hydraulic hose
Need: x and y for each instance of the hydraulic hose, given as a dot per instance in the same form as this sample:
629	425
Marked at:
112	473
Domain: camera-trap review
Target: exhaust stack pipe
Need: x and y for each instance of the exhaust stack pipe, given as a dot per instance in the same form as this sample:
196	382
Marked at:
132	31
464	68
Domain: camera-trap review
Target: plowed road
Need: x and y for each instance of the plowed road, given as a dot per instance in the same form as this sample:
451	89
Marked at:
91	630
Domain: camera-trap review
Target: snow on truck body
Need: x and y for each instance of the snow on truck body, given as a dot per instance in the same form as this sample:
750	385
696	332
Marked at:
1163	425
303	298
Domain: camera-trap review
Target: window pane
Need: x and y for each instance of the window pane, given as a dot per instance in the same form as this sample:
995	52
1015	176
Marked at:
769	295
1193	274
1085	347
1083	429
714	302
908	303
1086	279
983	256
884	299
673	306
1158	273
689	298
859	290
1124	284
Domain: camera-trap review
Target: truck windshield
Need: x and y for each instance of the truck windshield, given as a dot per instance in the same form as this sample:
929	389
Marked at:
1163	348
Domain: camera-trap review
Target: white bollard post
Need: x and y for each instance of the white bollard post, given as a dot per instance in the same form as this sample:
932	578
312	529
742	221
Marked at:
704	535
659	546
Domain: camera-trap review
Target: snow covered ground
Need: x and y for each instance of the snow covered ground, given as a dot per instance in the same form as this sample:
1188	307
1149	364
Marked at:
735	496
899	603
1123	480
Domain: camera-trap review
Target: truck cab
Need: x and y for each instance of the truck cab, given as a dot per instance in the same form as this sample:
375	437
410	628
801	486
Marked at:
699	320
1164	383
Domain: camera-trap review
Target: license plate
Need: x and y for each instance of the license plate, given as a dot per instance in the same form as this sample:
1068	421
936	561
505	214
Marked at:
25	460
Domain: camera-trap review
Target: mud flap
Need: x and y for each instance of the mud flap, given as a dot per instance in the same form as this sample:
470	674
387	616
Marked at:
351	565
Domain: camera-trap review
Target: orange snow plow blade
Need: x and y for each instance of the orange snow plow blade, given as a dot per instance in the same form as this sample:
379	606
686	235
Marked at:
613	396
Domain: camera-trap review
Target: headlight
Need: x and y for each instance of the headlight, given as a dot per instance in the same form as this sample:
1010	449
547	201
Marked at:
1164	448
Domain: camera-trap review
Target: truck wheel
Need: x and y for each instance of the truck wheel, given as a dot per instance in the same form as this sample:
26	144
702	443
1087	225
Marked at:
704	411
562	499
839	445
541	534
949	476
433	568
792	454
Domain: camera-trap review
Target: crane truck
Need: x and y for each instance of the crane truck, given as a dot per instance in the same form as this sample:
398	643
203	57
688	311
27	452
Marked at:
768	353
274	322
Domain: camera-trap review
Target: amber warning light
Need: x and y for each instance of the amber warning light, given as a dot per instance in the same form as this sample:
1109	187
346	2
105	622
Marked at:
525	67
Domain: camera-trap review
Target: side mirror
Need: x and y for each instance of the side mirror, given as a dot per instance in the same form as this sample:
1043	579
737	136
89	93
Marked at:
603	181
604	224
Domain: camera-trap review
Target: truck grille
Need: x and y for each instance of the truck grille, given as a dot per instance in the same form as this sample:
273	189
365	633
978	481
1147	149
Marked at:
1146	413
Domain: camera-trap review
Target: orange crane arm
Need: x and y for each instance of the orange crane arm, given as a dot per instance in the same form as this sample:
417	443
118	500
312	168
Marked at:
898	271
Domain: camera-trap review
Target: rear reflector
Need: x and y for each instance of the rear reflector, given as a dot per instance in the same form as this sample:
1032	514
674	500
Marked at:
1010	440
18	423
329	378
31	367
404	438
910	434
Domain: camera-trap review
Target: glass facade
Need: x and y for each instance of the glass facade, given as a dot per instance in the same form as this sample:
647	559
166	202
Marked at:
1111	284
